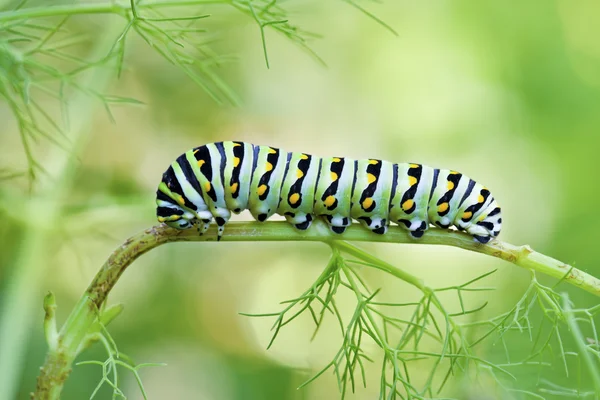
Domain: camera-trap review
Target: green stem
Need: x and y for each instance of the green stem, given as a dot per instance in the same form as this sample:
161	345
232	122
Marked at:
360	299
66	9
108	7
584	352
405	276
57	366
379	264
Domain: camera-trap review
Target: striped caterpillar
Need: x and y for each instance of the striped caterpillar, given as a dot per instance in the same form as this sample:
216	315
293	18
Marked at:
213	180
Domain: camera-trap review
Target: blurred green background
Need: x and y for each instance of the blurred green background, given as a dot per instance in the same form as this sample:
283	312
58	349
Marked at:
507	93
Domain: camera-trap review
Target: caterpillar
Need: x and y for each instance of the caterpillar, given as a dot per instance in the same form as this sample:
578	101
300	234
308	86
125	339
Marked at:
212	181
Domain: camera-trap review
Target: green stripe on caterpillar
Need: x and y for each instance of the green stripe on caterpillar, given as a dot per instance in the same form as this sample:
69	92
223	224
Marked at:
210	182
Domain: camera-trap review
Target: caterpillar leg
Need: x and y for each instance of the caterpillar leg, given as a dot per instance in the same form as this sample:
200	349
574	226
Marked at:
337	223
482	239
221	215
375	224
415	227
301	221
220	227
202	225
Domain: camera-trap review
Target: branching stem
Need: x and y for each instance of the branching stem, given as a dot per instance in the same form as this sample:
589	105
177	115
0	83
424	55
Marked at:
57	366
108	7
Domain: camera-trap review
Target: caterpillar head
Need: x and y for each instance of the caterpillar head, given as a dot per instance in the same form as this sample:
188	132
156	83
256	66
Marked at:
170	213
488	225
180	224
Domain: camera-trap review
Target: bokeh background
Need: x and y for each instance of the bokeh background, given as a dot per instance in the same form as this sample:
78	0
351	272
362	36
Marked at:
507	93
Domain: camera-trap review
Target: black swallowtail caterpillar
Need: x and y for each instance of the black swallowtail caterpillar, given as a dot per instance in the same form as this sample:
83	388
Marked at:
213	180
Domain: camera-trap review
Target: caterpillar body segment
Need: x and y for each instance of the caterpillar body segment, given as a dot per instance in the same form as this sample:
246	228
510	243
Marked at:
211	181
371	194
333	196
240	157
297	195
267	175
415	185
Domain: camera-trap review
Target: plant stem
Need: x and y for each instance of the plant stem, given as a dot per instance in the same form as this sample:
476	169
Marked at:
405	276
584	352
57	366
109	7
379	264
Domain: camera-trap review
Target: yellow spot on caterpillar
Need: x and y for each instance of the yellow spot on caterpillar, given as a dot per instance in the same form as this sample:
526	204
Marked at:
368	202
237	144
407	205
161	219
453	172
414	165
371	178
303	157
299	173
236	161
207	187
329	201
412	180
482	218
200	163
480	199
268	166
261	189
294	198
234	187
450	185
174	217
467	215
336	159
334	176
180	200
272	150
195	151
373	162
443	207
